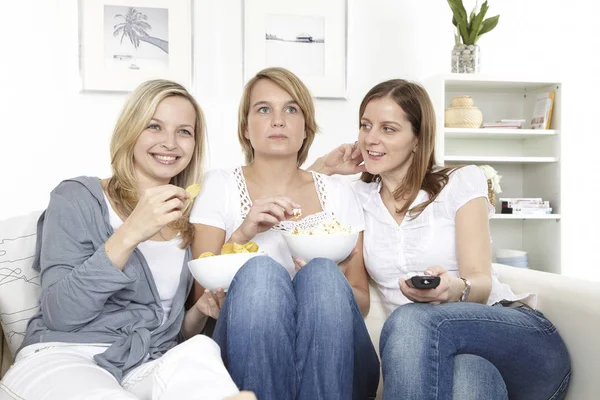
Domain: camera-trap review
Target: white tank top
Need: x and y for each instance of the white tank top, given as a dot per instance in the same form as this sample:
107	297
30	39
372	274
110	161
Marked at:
165	260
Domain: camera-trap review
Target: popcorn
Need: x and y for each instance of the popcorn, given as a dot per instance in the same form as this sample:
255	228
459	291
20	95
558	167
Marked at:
327	227
297	212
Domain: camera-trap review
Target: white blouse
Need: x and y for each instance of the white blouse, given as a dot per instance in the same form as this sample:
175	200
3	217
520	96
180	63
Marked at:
224	202
393	250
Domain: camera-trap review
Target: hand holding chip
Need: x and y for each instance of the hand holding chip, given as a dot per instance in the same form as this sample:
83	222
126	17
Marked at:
264	214
157	207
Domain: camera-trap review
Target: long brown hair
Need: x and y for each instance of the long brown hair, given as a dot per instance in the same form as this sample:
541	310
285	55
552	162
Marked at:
289	82
134	118
422	174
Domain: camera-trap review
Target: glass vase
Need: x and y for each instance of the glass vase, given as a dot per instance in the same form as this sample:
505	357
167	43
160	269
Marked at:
465	58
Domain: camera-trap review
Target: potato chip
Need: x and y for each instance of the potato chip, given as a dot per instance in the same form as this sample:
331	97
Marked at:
193	190
251	247
239	248
236	248
227	249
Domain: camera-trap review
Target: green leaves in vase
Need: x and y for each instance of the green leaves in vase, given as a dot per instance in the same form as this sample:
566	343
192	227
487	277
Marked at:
470	28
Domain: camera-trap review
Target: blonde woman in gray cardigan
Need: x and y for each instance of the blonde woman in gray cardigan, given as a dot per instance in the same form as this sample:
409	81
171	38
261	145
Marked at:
112	255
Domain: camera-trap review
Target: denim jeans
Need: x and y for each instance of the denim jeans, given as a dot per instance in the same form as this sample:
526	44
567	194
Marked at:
475	378
421	345
296	339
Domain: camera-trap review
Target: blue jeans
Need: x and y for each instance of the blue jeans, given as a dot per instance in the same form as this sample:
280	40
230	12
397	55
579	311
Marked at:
475	378
296	339
422	345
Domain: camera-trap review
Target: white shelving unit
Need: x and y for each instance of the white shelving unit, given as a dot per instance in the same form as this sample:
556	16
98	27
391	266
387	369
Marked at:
527	159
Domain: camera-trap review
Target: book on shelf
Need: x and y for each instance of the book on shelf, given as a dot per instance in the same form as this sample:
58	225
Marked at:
503	126
525	206
542	110
531	210
510	201
505	123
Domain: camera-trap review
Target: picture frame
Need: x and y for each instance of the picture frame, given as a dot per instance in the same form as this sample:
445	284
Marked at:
307	37
126	42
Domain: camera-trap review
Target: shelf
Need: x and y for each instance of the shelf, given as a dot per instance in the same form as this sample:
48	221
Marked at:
529	160
516	216
493	83
500	159
496	133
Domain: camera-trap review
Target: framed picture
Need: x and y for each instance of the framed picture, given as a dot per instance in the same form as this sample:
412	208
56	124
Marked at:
126	42
307	37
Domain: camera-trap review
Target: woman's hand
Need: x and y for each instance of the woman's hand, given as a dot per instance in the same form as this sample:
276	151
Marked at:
264	214
449	289
157	207
345	159
298	264
210	303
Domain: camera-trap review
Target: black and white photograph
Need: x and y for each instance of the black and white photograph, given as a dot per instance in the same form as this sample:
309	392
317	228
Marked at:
125	42
307	37
297	43
136	37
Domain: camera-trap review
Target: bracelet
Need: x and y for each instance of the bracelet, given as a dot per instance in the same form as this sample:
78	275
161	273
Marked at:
467	290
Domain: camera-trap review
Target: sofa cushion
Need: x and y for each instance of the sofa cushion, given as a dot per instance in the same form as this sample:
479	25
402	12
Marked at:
19	283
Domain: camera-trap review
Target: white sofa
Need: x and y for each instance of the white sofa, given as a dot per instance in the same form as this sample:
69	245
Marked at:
572	304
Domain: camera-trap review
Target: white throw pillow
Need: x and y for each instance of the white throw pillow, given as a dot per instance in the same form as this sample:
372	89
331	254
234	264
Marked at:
19	283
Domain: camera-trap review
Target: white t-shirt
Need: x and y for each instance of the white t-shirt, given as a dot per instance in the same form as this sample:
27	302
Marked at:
165	260
393	250
224	202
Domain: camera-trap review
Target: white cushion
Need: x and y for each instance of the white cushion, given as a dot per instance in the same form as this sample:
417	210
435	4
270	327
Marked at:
19	283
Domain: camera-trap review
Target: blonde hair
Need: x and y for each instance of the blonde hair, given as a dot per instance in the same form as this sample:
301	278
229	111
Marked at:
289	82
423	174
133	120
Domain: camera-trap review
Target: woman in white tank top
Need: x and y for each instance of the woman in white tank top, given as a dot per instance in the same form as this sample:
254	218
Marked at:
286	331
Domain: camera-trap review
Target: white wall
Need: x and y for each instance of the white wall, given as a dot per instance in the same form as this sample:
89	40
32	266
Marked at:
51	131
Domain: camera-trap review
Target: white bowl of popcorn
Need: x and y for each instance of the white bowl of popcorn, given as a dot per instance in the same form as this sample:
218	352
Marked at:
330	239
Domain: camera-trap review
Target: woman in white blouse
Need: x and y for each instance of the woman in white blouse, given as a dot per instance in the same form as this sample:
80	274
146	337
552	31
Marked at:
286	331
422	219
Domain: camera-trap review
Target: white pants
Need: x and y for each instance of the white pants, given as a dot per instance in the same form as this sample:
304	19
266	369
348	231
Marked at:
66	371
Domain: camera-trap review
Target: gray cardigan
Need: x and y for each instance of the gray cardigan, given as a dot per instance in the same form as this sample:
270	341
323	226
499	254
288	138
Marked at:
85	298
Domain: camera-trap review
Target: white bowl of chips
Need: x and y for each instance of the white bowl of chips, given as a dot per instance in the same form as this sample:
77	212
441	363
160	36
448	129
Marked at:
217	271
329	240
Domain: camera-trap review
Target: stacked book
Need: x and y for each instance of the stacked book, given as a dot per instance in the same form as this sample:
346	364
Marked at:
525	206
505	124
